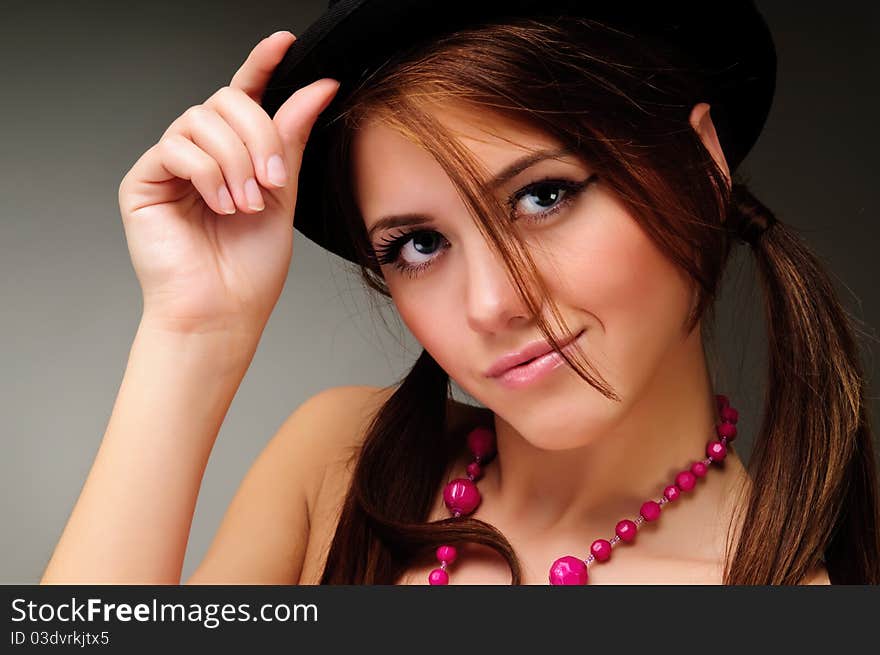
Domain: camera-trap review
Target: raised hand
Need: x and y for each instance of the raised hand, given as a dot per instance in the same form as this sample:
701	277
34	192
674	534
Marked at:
208	209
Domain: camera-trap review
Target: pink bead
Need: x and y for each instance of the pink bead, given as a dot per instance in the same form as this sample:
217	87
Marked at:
601	549
447	554
685	480
721	400
438	576
626	530
481	442
716	451
650	510
699	469
568	570
729	414
474	470
727	430
461	496
671	492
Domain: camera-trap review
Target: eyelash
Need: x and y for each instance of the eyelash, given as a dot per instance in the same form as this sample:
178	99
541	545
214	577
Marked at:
389	250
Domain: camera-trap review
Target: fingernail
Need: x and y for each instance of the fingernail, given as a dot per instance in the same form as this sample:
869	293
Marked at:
225	199
254	197
275	170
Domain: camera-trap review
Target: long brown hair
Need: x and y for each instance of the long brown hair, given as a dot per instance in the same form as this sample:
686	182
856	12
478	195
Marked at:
623	106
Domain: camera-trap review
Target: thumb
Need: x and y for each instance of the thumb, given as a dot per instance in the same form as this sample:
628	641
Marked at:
296	117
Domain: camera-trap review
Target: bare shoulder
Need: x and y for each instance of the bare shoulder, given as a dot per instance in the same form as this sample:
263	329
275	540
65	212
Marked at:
347	413
277	496
340	417
332	424
344	415
819	575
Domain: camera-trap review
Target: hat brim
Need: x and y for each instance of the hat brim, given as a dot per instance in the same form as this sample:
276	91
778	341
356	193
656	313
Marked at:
353	37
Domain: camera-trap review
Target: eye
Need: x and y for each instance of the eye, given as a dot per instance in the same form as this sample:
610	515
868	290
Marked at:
402	249
413	251
548	191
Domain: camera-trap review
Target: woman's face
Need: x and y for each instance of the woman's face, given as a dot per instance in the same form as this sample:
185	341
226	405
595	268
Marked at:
607	278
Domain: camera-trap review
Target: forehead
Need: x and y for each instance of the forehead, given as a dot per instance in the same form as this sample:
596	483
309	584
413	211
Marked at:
393	174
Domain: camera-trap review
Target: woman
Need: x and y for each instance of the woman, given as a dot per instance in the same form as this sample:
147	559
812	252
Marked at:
492	180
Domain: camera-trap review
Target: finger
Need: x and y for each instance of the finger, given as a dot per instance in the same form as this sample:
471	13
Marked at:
184	159
205	127
253	75
296	117
256	130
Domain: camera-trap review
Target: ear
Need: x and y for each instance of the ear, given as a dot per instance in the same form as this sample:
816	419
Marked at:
701	121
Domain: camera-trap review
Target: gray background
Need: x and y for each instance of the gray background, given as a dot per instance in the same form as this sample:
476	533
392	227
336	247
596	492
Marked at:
88	86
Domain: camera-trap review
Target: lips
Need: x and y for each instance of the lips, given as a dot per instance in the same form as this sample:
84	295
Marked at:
527	354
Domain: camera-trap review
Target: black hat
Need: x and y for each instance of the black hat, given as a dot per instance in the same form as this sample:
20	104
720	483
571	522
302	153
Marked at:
354	37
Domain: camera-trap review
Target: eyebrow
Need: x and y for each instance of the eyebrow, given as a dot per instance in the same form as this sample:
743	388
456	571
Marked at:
505	174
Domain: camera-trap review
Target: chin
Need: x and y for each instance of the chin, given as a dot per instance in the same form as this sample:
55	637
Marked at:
559	426
558	440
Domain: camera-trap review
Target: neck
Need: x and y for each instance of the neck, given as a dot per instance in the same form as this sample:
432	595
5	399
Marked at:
629	460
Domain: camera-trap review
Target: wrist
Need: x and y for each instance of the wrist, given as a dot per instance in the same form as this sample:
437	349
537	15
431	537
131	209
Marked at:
230	345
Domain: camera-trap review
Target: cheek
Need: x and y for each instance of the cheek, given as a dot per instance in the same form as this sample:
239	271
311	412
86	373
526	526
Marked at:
429	312
614	273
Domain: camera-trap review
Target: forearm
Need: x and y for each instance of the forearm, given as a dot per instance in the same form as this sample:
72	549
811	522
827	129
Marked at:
132	520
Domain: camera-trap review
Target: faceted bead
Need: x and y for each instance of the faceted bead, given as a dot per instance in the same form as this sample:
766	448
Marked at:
481	442
438	576
650	510
461	496
601	549
722	401
727	430
716	451
685	480
729	414
671	492
474	470
699	469
446	554
568	570
626	530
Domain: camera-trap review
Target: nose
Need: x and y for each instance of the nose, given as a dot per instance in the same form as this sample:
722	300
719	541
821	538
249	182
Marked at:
492	302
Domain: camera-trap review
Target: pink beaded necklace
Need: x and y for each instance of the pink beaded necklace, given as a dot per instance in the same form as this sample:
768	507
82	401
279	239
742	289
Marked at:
462	498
